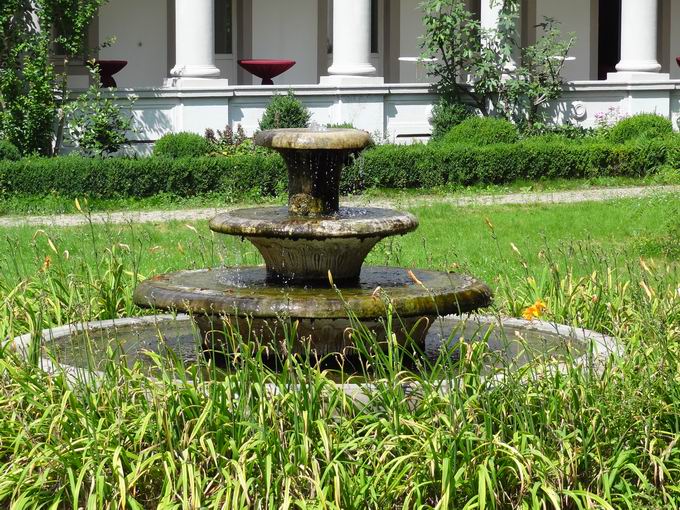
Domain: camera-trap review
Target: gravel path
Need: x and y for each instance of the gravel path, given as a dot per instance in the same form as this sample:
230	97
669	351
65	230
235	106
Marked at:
557	197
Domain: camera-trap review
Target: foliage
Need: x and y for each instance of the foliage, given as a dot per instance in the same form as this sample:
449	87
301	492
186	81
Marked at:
446	115
586	433
73	176
230	143
480	131
31	94
284	111
9	151
438	164
96	123
537	80
28	107
342	125
182	145
564	132
386	166
484	58
642	125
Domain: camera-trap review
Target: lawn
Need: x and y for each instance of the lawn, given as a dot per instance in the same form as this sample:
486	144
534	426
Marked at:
593	437
474	239
54	204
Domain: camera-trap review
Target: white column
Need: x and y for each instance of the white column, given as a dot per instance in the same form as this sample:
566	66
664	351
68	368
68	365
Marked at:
195	40
639	26
351	43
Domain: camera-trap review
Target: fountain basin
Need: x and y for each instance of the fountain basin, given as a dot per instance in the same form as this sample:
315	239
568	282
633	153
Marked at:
81	350
305	249
225	299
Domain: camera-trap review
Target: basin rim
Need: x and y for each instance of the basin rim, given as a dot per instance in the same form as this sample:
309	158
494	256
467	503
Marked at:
377	222
603	345
309	139
433	294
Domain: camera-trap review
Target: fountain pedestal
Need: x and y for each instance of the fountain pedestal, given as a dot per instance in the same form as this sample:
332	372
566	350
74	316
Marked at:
314	280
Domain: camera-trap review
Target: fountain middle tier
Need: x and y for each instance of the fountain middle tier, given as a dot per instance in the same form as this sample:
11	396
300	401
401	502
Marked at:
303	249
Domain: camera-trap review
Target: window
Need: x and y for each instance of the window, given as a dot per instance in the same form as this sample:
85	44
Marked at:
374	26
223	27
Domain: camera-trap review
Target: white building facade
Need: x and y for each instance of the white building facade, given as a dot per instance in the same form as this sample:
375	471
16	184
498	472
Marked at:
357	60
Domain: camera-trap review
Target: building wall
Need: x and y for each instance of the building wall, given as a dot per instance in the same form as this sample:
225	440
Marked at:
411	28
287	29
674	39
574	16
140	28
290	29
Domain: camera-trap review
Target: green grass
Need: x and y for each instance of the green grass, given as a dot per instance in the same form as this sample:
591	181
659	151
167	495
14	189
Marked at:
448	238
54	204
604	436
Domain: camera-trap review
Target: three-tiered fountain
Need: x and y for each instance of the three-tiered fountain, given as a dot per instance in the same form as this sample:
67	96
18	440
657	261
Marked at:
313	251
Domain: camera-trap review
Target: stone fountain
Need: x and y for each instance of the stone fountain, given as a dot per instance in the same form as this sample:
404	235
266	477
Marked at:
314	251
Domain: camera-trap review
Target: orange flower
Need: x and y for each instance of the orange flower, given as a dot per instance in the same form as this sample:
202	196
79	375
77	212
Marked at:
46	263
535	311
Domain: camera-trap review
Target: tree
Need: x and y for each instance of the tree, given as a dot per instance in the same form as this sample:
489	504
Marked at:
31	93
476	65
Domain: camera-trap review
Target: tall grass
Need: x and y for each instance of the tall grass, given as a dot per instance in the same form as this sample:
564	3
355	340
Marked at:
586	436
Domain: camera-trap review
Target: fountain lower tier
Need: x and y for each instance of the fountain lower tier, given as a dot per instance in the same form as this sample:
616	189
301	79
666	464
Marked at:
222	300
303	249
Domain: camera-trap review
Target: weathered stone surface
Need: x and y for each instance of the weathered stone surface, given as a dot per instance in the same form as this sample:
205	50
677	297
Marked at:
315	160
308	139
245	292
241	299
314	252
304	249
348	222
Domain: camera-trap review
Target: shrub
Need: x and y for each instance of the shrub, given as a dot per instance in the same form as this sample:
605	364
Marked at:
482	131
387	166
643	125
564	131
446	115
75	176
96	124
9	151
341	125
285	112
181	145
414	166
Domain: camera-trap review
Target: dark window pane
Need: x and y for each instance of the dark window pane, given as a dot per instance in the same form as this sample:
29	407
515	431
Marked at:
374	26
223	27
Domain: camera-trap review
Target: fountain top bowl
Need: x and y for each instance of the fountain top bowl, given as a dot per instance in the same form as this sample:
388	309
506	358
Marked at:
312	139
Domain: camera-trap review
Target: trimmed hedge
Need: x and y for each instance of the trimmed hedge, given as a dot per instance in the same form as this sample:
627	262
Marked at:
182	145
446	115
9	151
385	166
73	176
482	131
642	125
414	166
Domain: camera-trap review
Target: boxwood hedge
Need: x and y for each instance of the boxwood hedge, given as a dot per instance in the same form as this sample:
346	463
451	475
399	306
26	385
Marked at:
414	166
386	166
120	177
